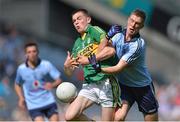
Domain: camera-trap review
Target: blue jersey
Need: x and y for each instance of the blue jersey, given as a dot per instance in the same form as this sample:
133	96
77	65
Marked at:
33	80
133	52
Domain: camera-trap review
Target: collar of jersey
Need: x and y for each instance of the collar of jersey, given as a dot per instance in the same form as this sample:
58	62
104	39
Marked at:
38	63
88	27
83	36
86	31
134	38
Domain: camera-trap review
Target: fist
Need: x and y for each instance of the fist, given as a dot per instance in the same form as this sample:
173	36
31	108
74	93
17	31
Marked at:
113	30
96	65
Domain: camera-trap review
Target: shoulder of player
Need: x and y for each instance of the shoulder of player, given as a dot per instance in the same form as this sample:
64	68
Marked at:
45	62
138	44
21	66
118	37
140	41
95	29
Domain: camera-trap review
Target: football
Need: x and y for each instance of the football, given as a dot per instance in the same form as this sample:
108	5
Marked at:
66	92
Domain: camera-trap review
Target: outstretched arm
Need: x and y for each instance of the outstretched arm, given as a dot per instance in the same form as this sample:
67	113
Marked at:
105	49
104	53
51	85
115	69
106	41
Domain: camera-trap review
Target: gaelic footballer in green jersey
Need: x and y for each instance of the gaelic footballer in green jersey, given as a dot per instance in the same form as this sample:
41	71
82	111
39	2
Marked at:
88	44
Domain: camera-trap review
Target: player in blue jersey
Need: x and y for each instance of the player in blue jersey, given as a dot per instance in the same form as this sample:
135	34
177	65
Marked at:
32	87
135	80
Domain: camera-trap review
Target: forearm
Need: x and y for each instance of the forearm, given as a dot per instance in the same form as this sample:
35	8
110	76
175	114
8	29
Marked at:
56	83
102	45
115	69
111	70
19	91
106	53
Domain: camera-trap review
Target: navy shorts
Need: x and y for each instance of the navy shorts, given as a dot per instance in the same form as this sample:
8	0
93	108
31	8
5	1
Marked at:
144	96
46	111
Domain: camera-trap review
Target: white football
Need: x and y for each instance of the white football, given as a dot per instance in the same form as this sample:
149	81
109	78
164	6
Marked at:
66	92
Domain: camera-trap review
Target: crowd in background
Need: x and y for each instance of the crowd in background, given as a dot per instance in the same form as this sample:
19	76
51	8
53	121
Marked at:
169	101
11	55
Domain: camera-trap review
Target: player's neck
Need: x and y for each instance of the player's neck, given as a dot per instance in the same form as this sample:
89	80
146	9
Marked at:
32	64
128	37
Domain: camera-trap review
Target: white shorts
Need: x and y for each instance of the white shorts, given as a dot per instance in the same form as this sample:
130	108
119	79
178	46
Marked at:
103	92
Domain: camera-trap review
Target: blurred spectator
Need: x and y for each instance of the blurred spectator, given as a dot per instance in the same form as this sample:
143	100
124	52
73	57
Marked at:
20	115
13	45
164	106
5	91
2	109
4	87
169	97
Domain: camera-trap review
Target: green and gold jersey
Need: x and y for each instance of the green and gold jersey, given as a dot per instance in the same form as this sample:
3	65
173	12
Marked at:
88	44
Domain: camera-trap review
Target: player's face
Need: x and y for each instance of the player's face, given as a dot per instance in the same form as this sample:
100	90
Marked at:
134	24
80	21
32	53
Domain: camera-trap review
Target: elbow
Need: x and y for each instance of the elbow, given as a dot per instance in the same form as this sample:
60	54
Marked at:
111	52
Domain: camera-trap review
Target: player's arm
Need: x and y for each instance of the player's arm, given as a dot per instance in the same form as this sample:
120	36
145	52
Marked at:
70	64
19	92
115	69
106	41
103	43
105	53
51	85
133	53
55	74
105	48
56	82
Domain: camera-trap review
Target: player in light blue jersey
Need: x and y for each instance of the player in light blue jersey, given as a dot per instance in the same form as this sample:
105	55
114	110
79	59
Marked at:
135	80
33	88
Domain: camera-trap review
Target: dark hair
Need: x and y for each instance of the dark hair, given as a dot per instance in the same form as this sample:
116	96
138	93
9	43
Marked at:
29	44
139	13
81	10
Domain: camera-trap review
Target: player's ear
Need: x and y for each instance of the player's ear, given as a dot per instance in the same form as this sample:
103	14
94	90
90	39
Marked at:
88	19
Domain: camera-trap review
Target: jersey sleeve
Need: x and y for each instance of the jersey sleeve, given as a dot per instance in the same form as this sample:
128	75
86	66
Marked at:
133	52
115	39
18	79
53	71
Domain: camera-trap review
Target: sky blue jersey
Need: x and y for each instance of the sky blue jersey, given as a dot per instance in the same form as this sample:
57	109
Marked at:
33	80
133	52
